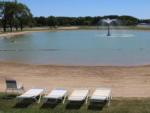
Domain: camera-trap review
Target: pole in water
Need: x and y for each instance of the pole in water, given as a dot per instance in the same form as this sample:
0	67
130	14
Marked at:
108	34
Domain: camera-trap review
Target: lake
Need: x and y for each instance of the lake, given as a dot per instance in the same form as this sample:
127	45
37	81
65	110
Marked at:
78	47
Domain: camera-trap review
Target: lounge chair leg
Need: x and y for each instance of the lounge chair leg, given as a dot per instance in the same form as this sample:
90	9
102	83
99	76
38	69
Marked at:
86	100
64	99
109	101
39	100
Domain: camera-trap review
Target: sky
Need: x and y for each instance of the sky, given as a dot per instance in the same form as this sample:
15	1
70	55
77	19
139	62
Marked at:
75	8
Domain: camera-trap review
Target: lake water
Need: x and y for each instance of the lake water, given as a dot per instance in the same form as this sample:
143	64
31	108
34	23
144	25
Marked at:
78	47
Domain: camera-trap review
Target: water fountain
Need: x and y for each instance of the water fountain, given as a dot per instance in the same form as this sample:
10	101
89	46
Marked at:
113	28
109	22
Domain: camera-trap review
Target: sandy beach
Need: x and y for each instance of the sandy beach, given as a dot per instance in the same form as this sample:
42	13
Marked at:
13	33
2	34
124	81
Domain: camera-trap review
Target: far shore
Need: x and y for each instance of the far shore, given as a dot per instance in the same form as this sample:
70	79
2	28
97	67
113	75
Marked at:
27	30
47	29
124	81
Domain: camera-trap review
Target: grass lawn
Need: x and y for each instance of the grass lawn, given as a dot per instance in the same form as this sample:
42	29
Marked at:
8	104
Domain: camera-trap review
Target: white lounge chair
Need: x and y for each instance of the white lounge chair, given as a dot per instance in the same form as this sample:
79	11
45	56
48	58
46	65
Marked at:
33	94
101	95
57	94
11	85
79	95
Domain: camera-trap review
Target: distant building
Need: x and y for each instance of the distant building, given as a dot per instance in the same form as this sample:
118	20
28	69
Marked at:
143	25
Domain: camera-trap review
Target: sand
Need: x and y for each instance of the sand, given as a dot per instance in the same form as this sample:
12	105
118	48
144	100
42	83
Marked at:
68	28
124	81
10	34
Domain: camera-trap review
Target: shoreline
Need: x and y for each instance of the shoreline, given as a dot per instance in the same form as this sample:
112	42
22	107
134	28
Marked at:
124	81
12	33
63	65
2	34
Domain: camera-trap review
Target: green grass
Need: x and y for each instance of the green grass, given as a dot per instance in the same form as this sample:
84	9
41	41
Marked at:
122	105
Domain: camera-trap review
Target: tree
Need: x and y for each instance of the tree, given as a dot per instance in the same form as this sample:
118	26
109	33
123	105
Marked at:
40	21
9	12
14	14
23	14
52	21
1	9
129	20
3	15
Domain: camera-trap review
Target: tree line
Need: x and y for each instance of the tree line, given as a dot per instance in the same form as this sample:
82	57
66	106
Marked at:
18	15
79	21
